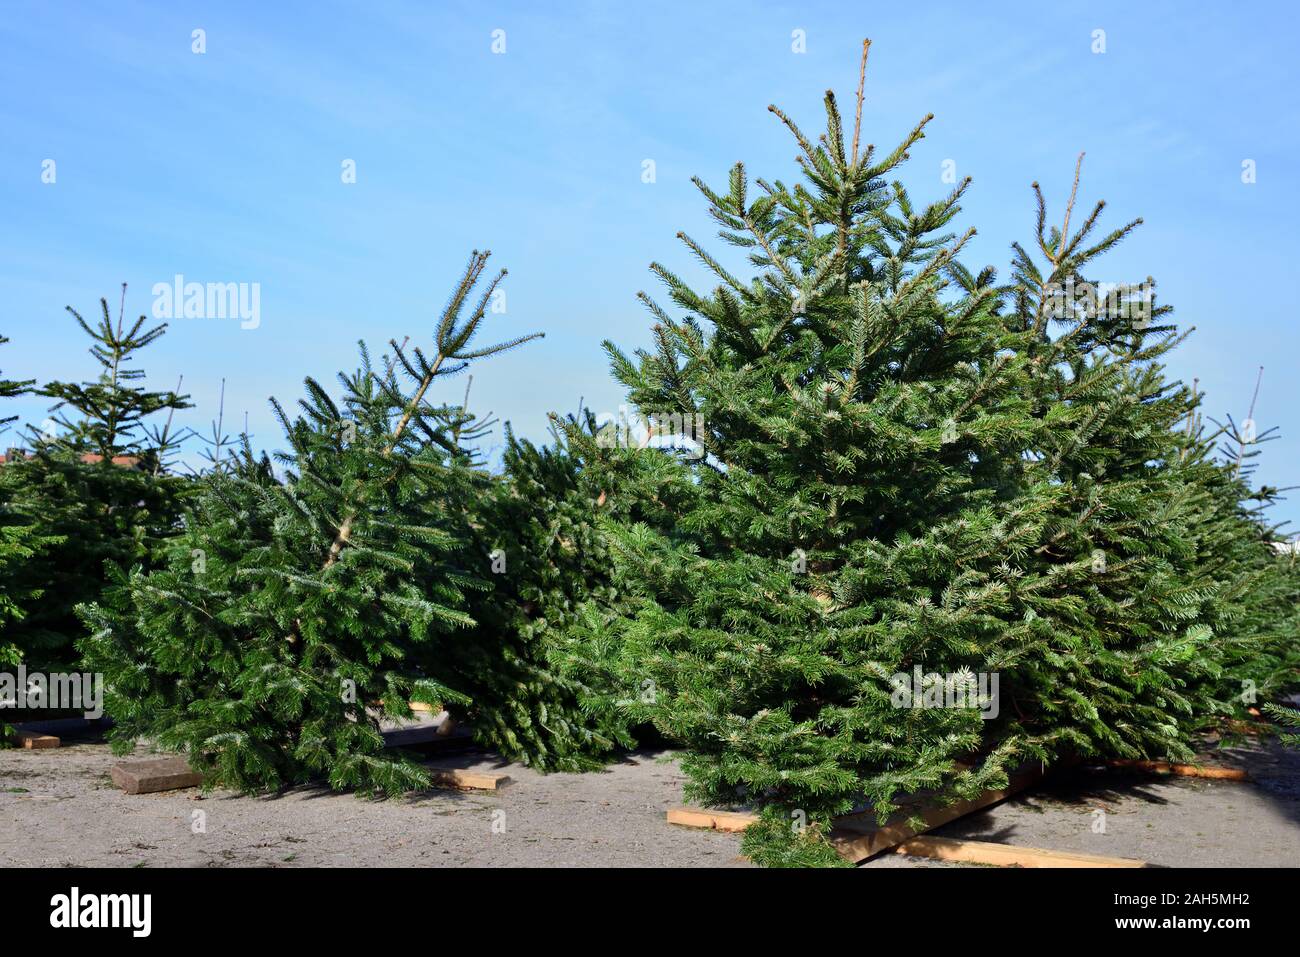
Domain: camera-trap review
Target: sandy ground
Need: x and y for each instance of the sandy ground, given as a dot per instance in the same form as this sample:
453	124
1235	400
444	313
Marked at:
58	808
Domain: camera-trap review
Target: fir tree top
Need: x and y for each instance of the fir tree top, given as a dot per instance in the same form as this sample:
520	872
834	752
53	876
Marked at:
111	410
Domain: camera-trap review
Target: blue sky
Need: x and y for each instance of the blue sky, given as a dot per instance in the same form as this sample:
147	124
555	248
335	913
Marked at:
225	167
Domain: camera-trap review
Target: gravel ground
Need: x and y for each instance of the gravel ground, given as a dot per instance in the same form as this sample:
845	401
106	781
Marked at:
58	808
1165	821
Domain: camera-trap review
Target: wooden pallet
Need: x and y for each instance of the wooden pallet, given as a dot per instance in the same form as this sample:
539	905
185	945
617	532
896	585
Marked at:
444	734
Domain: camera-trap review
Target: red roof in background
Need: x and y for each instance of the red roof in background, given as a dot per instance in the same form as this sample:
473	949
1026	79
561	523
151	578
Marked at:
90	458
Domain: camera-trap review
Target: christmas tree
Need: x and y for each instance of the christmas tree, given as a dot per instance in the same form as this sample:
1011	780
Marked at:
535	523
1112	590
94	487
21	543
1289	719
940	526
1237	533
852	509
553	593
623	474
294	609
1153	581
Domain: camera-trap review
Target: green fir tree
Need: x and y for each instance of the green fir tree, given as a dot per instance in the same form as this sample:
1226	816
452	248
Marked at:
852	512
295	611
93	486
916	481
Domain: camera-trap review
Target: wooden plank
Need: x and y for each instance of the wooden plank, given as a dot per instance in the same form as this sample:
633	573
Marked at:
1004	855
1182	770
857	838
34	740
732	821
462	778
158	774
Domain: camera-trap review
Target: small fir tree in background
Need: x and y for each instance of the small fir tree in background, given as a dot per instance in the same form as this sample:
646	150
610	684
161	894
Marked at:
94	485
623	477
1238	532
288	608
219	448
533	524
552	594
21	543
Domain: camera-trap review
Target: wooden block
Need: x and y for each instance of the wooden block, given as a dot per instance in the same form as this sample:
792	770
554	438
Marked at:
1183	770
713	820
159	774
1004	855
33	740
461	778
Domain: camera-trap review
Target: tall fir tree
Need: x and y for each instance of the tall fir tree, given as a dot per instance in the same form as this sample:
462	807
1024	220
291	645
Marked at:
1112	597
914	471
853	511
